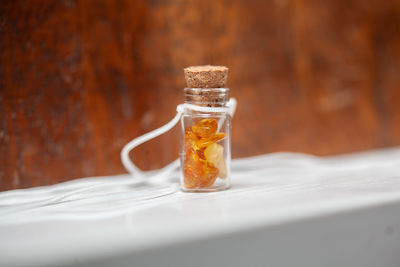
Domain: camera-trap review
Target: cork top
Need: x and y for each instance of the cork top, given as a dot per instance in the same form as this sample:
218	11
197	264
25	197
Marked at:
206	76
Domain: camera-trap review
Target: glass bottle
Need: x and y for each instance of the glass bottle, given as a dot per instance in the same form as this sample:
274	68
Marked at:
205	142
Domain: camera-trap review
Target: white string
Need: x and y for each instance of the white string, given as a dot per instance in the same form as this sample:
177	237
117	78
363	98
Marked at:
126	161
135	171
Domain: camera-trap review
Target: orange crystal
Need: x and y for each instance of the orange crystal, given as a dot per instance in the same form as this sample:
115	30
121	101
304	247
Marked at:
205	142
190	139
198	172
205	128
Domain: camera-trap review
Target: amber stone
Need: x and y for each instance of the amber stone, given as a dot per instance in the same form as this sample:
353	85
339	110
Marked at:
197	170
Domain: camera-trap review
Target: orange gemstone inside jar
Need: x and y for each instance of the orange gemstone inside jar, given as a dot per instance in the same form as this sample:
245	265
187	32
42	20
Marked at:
205	142
205	128
198	172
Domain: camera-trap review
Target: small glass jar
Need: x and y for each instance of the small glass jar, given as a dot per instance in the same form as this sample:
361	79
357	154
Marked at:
205	142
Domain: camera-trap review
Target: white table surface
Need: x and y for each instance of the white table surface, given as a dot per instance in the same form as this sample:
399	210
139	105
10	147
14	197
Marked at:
283	209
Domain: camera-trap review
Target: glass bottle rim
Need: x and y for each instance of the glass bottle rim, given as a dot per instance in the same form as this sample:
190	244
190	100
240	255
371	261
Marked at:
211	97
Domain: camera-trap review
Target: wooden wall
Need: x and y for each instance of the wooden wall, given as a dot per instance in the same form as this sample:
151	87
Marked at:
79	79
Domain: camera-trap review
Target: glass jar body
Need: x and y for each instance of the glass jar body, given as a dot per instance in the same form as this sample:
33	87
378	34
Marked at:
205	151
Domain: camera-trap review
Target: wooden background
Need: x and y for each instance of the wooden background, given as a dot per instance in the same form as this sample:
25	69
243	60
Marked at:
79	79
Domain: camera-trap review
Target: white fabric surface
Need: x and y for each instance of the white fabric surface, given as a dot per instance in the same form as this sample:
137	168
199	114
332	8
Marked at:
290	174
266	189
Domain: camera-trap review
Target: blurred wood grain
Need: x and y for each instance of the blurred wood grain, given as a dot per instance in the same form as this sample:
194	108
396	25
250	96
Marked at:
79	79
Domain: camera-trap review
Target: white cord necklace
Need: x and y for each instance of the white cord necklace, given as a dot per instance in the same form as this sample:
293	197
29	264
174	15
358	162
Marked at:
180	109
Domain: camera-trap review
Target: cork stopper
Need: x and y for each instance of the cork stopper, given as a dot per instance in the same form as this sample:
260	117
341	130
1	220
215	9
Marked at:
206	76
206	85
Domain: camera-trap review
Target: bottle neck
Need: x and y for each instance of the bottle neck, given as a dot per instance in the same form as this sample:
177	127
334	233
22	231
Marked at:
207	97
